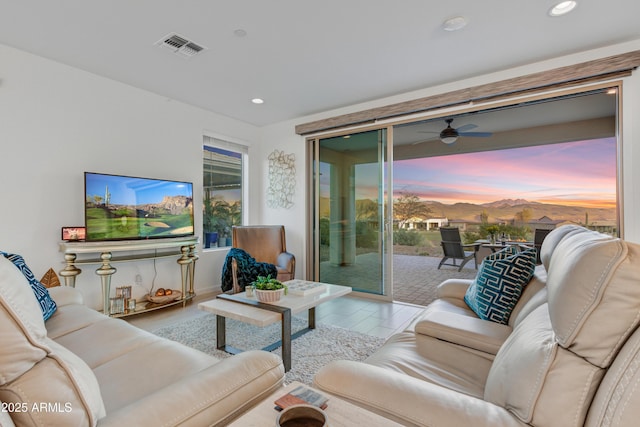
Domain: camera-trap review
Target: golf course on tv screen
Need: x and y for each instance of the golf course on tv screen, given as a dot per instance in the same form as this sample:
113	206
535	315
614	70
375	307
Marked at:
128	208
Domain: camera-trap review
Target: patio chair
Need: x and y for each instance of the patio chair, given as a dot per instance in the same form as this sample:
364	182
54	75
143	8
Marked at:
538	237
453	248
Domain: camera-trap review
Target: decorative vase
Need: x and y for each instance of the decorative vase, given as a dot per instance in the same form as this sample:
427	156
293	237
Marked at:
269	296
210	239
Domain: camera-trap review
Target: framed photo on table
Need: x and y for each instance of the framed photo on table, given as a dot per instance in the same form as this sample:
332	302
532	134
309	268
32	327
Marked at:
71	234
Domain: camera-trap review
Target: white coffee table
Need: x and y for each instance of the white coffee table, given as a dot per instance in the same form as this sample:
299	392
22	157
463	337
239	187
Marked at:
250	310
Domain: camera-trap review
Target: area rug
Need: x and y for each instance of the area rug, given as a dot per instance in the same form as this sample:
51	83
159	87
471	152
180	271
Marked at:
309	352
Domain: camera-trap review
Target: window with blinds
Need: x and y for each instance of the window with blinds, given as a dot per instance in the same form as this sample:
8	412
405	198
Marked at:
222	169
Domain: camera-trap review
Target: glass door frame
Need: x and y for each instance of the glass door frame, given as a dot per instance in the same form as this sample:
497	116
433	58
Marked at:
313	200
389	123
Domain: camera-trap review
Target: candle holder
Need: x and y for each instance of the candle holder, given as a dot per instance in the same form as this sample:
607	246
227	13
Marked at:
116	305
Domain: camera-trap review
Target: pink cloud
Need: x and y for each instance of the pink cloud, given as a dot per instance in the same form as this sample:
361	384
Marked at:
585	168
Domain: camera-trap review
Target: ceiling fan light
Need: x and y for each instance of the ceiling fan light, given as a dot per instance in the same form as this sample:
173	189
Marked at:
449	135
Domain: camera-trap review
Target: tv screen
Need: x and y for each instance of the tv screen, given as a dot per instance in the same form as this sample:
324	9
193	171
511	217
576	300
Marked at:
127	208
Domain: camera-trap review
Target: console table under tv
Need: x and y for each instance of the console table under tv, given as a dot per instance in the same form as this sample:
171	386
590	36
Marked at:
137	250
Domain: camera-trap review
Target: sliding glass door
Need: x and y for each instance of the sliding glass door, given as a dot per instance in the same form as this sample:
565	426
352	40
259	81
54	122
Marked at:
350	211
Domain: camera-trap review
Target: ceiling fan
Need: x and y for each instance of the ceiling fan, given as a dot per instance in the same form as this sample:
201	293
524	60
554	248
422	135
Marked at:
450	135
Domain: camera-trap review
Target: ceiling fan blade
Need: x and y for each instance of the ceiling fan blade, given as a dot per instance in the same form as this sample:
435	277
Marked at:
476	134
424	140
426	131
466	127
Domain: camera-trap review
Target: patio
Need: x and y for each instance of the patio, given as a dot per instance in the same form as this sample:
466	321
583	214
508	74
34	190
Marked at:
415	277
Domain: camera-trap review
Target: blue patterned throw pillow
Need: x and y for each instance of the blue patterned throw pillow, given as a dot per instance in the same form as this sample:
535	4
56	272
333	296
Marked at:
499	283
47	305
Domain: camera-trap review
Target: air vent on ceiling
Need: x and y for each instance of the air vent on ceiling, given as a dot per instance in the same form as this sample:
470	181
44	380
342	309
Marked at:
180	45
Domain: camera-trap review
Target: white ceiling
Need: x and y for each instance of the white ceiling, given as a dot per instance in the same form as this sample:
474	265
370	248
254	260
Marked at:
303	56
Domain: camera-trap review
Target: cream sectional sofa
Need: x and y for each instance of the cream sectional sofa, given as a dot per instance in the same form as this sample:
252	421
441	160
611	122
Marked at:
81	368
570	355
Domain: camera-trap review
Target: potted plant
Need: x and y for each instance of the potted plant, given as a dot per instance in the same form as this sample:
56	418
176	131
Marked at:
268	289
210	223
492	231
220	211
228	214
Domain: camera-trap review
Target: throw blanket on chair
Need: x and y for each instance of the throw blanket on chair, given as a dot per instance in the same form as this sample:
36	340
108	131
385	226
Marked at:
248	269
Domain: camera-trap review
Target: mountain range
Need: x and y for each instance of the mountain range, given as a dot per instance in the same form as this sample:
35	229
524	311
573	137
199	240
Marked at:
508	203
497	211
506	209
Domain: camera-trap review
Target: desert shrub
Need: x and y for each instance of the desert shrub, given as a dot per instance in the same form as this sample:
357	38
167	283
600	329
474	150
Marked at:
407	237
324	231
366	236
470	236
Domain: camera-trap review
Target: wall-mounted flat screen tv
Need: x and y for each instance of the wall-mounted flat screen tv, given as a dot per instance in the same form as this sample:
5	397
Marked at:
128	208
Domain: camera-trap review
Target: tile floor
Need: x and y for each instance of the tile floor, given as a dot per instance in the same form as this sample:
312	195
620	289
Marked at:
415	278
368	316
415	281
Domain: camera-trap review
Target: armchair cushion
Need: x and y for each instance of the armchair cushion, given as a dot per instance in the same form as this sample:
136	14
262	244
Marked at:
463	330
408	401
540	382
499	283
453	288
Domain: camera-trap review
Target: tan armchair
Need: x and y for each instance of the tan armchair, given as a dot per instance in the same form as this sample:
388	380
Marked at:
265	243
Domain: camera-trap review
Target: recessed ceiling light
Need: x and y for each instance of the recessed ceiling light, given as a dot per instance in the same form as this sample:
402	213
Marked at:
257	101
239	32
562	8
455	23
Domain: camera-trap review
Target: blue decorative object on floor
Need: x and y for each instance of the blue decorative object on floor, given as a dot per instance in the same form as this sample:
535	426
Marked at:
248	269
499	283
47	305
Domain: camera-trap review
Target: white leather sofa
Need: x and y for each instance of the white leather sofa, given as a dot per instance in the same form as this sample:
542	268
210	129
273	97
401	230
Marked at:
81	368
570	355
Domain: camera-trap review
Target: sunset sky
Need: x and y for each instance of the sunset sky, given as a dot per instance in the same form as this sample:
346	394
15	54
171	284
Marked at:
579	173
576	173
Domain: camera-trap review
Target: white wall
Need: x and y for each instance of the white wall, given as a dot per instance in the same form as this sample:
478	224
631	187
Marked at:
57	122
283	137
